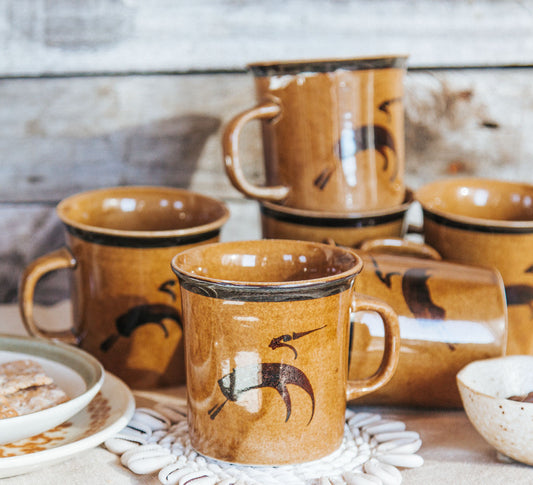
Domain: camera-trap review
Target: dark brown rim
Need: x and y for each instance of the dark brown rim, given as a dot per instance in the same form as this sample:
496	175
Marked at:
101	234
327	65
330	219
269	290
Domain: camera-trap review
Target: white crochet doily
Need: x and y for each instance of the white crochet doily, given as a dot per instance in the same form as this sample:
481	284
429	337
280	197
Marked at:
156	440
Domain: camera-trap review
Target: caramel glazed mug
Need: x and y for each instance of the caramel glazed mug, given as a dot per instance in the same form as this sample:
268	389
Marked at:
487	222
267	325
332	131
450	314
125	298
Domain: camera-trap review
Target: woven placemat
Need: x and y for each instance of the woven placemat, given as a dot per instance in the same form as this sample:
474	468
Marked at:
373	449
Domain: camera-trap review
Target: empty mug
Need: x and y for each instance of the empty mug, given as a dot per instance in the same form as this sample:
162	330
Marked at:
125	300
267	325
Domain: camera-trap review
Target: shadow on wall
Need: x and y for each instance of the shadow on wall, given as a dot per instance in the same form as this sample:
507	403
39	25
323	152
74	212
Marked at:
161	153
39	231
166	152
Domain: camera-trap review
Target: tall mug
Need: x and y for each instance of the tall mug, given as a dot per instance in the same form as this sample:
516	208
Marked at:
333	134
267	326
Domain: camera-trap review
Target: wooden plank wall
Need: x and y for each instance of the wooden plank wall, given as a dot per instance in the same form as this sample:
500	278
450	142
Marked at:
105	92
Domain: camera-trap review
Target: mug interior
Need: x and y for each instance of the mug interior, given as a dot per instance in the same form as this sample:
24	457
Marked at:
486	199
142	209
267	261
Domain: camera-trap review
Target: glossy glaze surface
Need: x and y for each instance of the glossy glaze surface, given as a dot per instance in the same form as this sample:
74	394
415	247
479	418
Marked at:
267	327
333	134
480	201
273	263
450	314
488	223
350	229
142	211
125	298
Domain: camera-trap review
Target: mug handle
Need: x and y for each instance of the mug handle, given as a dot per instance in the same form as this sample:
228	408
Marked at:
230	147
59	259
391	352
403	247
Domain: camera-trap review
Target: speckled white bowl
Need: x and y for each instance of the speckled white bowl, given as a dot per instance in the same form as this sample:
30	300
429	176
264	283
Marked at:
507	425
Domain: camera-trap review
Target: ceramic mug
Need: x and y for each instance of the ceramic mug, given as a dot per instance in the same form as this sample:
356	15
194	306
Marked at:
280	222
450	314
333	134
489	223
267	325
125	298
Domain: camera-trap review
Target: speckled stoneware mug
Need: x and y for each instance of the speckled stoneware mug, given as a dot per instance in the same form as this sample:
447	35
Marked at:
349	229
489	223
267	325
333	134
125	298
450	314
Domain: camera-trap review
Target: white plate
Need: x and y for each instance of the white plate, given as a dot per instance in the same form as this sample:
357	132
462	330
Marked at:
108	413
79	374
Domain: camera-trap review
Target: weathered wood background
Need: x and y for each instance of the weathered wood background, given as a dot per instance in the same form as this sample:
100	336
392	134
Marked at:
105	92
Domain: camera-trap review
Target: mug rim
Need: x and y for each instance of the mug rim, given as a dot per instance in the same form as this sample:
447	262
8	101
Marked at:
212	226
336	218
268	286
296	66
425	194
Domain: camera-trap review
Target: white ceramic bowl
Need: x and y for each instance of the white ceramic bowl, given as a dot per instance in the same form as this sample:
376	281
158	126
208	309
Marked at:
79	374
485	386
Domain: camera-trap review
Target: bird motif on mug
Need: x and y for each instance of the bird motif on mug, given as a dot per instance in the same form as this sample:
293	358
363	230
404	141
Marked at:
418	296
415	290
385	278
138	316
257	376
355	140
385	106
270	374
144	314
520	294
282	340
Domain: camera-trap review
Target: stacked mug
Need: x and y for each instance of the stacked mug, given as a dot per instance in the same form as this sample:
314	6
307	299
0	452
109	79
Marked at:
334	162
334	155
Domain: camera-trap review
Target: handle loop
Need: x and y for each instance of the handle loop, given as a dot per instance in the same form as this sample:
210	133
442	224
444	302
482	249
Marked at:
230	147
59	259
391	352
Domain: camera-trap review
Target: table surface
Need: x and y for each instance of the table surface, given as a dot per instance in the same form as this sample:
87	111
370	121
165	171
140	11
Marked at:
453	451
